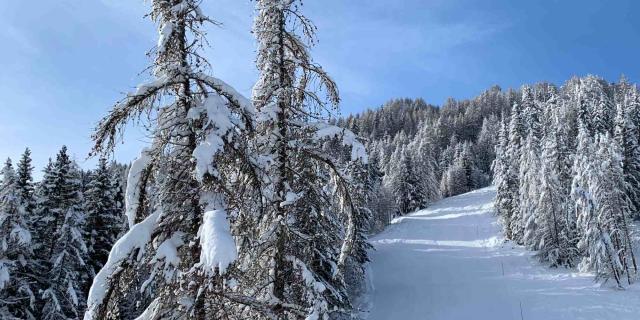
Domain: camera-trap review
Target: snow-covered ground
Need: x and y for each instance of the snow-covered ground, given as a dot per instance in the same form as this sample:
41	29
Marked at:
450	262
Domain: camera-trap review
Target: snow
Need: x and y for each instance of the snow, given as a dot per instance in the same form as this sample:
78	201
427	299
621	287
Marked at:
165	34
21	235
291	198
204	153
227	91
150	311
217	244
220	118
168	250
4	273
132	194
71	292
449	262
358	151
136	238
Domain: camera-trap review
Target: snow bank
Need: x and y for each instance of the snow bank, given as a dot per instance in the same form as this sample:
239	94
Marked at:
217	244
136	238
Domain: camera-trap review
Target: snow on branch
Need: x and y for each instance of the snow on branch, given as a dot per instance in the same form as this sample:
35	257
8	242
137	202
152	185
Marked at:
216	242
136	238
132	194
358	151
222	88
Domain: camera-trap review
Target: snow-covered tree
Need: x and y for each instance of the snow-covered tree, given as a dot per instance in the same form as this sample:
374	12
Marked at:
626	134
17	295
502	179
304	266
517	136
183	192
529	175
605	231
103	218
404	183
67	269
24	183
553	237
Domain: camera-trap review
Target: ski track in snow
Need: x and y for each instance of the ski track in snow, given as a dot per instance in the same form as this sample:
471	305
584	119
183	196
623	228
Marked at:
450	262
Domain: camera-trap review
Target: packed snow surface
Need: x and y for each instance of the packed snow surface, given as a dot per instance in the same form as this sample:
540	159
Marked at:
450	262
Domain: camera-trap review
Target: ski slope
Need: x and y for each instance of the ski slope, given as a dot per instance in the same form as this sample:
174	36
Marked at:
450	262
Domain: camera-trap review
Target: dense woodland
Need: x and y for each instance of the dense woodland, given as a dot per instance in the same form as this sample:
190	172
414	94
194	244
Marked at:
567	174
55	234
419	153
260	207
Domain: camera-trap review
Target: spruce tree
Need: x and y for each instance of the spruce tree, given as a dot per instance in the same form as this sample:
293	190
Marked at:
103	216
25	184
68	273
16	286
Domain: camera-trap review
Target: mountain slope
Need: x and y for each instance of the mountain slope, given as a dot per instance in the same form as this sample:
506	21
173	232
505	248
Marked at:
449	262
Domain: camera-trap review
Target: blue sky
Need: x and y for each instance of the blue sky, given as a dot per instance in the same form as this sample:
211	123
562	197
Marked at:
65	62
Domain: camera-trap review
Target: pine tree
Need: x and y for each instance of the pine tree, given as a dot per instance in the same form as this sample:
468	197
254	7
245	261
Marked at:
16	291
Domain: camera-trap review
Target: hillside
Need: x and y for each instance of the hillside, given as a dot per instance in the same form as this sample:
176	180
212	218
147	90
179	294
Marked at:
450	261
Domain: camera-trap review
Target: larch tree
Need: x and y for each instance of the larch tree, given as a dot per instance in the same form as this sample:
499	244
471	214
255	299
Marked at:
529	174
501	170
553	237
517	135
606	233
626	134
181	191
304	249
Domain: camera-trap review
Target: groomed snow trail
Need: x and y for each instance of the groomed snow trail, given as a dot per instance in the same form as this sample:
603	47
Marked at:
450	262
